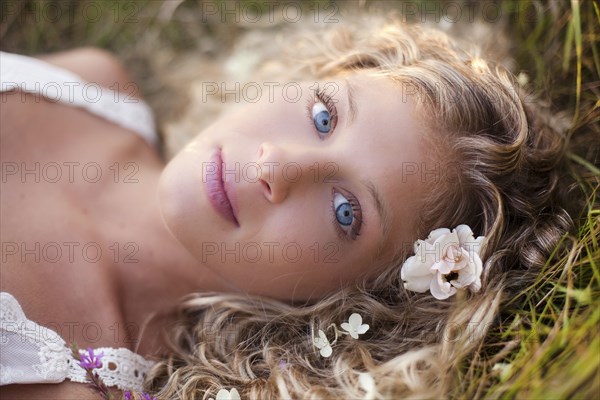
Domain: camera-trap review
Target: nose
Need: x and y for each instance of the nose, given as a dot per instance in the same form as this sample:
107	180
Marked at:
270	160
284	168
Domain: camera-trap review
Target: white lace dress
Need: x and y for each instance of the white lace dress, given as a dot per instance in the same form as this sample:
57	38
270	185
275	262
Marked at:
37	77
30	353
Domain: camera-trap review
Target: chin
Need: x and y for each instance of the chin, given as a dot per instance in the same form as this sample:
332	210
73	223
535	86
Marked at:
175	195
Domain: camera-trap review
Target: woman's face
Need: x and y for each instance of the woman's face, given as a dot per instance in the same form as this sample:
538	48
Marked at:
302	191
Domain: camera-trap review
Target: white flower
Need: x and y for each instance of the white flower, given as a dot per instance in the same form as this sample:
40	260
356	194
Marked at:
367	383
323	344
444	262
225	394
354	326
522	79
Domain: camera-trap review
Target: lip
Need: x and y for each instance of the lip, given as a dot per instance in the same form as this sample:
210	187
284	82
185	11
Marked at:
217	190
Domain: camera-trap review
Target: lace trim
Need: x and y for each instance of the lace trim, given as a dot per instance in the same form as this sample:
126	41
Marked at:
120	366
52	357
30	75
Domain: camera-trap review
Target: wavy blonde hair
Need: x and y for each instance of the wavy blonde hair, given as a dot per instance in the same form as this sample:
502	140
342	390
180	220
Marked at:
502	156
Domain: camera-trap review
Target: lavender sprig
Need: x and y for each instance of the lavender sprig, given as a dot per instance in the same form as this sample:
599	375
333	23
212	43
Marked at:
129	396
89	362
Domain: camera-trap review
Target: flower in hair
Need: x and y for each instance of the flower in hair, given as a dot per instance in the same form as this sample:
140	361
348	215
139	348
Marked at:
322	343
367	383
444	262
354	326
225	394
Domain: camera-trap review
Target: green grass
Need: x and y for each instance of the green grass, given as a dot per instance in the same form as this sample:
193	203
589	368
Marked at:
552	343
548	345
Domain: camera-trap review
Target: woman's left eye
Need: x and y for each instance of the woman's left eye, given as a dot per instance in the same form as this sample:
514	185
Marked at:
347	214
343	209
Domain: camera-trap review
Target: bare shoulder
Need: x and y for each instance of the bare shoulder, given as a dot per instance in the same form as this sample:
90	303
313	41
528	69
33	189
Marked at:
55	391
95	65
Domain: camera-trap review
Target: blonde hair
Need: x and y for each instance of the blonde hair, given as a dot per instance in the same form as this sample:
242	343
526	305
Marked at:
507	158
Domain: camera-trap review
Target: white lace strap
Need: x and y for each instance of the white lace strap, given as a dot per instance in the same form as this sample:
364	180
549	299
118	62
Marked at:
31	353
120	367
35	76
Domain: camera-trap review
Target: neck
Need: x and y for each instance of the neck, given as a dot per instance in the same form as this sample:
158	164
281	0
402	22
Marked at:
164	272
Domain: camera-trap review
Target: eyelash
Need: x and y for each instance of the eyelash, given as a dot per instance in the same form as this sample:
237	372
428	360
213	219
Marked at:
357	222
327	100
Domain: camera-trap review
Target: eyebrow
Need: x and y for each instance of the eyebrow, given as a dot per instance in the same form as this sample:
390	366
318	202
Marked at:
352	110
382	210
380	206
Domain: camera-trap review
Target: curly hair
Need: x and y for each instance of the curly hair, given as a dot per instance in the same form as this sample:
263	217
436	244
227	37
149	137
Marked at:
501	169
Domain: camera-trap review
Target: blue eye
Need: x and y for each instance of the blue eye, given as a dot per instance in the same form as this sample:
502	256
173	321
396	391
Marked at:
322	113
321	117
347	214
343	210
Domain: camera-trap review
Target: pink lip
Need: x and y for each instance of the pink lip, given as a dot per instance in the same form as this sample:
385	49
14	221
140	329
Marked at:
216	189
230	191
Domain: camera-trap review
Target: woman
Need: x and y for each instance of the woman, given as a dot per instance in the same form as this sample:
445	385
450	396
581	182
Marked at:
393	135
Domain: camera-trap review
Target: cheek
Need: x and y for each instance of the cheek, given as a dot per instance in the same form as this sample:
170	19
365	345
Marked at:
313	257
301	221
306	241
266	120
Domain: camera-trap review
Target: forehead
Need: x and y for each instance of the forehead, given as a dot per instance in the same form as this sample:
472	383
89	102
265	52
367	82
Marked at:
386	138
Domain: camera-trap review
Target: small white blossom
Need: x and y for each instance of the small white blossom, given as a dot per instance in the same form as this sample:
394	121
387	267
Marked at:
522	79
323	344
367	383
225	394
445	261
354	326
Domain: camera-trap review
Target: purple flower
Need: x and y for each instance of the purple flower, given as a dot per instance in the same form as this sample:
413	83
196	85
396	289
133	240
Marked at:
282	364
90	360
129	396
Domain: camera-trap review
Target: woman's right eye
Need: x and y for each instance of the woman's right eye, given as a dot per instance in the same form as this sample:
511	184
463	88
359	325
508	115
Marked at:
321	117
322	113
